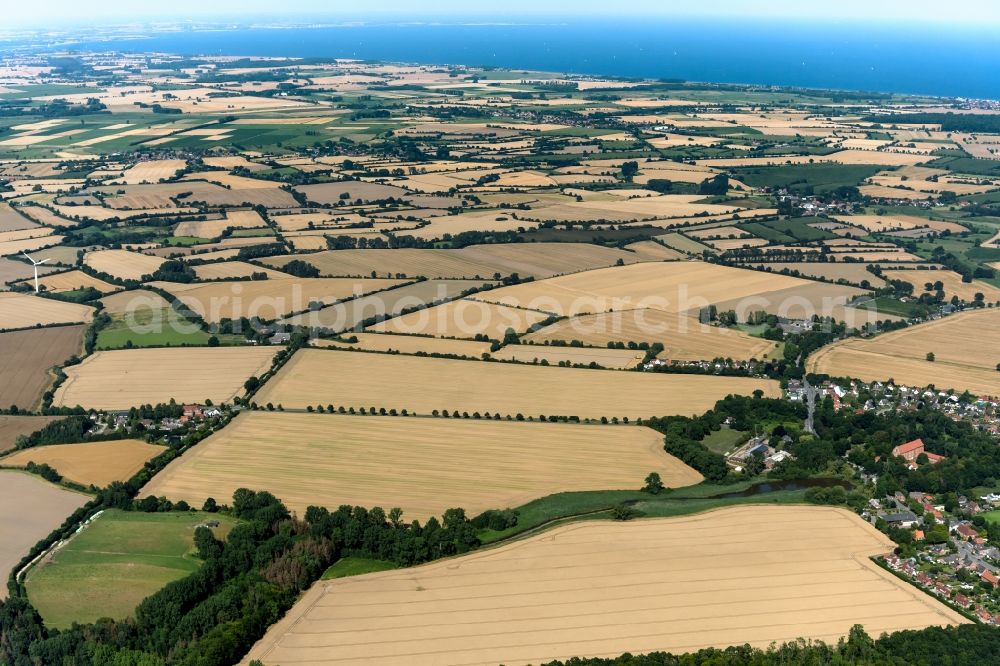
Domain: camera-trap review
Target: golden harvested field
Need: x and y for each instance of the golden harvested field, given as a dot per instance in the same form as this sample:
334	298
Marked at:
101	213
840	157
871	257
723	244
897	222
72	280
464	318
653	251
966	348
133	300
718	232
46	216
330	193
8	248
152	171
231	181
269	299
425	384
24	234
627	210
616	359
236	219
754	575
852	272
350	314
161	196
26	311
15	271
423	466
211	255
228	270
409	344
26	357
12	220
470	221
12	427
90	463
301	221
676	287
684	338
539	260
234	161
895	180
952	282
122	264
122	379
30	509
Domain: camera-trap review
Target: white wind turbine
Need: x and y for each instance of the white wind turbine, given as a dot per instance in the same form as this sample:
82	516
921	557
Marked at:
36	264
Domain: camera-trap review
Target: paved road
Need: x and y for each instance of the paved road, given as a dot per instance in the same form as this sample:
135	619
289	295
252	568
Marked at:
810	403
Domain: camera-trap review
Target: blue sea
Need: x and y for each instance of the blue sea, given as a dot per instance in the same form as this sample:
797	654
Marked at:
944	60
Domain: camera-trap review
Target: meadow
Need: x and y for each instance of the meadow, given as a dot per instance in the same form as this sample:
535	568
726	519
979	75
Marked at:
155	327
140	552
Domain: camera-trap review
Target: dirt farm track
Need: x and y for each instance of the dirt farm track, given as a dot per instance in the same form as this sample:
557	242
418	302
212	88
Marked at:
750	574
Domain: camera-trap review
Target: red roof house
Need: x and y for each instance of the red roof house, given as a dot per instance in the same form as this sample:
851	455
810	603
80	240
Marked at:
910	450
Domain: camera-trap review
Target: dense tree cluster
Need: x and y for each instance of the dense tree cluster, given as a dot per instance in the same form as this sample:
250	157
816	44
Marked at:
300	268
683	434
949	122
972	457
963	645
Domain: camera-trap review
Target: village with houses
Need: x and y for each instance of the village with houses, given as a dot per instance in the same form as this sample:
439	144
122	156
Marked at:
982	411
953	553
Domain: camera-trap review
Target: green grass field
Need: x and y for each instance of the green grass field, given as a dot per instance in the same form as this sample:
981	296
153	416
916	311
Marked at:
723	440
786	231
968	165
355	566
682	243
892	306
116	562
992	516
803	178
145	330
567	507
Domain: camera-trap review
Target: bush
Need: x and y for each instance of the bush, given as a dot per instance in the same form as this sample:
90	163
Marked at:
495	519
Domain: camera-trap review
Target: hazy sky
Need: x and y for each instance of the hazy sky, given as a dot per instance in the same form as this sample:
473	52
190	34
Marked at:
54	12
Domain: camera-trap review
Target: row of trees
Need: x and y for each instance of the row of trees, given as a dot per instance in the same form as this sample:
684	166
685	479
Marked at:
963	645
